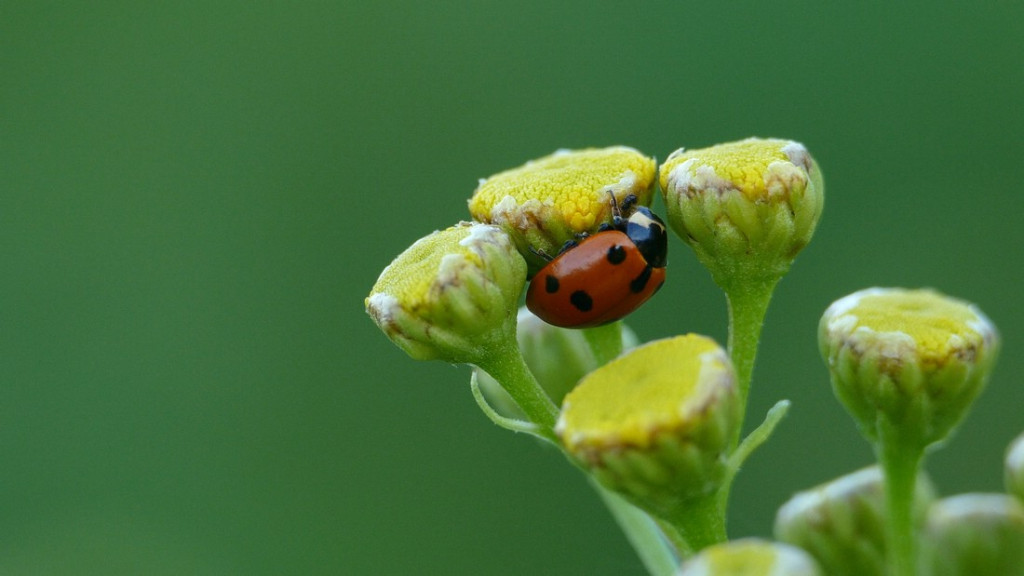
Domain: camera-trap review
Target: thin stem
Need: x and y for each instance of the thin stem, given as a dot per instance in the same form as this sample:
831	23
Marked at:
671	533
759	435
748	304
700	522
605	341
506	365
752	442
642	532
900	463
511	424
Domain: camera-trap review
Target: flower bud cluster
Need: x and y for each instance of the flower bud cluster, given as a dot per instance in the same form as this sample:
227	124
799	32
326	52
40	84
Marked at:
659	424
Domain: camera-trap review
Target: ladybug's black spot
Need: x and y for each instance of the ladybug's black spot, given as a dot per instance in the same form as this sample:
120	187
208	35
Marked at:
551	284
582	301
616	254
638	284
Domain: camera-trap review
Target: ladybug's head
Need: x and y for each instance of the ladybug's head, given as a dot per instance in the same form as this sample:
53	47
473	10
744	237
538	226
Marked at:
649	234
642	226
621	211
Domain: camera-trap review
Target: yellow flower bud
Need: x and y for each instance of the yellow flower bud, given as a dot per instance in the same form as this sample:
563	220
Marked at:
750	557
916	358
452	295
548	201
842	523
975	535
655	423
746	208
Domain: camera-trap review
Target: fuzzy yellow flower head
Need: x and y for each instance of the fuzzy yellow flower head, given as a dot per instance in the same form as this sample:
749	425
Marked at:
916	358
451	295
746	208
750	557
655	423
548	201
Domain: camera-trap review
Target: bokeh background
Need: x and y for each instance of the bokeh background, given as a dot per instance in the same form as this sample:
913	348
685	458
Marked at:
195	198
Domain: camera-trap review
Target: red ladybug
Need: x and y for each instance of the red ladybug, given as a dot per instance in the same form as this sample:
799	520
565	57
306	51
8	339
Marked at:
604	276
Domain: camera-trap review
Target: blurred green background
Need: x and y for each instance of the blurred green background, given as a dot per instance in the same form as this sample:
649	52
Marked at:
197	196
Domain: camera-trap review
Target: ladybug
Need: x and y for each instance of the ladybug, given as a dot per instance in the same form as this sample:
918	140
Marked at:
605	276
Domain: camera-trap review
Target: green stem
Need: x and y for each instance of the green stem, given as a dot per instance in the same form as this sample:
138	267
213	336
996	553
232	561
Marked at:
605	341
748	304
672	534
511	424
506	365
642	532
900	463
652	541
752	442
700	522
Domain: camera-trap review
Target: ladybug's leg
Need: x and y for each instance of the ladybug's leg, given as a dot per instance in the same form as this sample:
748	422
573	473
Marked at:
569	244
547	257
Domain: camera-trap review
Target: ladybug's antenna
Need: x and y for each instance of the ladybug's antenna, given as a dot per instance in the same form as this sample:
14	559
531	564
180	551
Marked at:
616	213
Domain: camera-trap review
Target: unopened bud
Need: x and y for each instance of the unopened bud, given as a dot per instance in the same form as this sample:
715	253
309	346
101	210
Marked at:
750	557
842	523
916	358
551	200
975	535
452	295
746	208
655	423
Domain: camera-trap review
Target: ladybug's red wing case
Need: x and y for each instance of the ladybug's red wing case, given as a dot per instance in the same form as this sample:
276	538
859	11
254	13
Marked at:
599	281
648	282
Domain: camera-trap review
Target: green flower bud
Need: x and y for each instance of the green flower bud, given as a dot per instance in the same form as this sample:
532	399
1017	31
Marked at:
452	295
746	208
548	201
750	557
913	358
655	423
1015	468
974	535
557	357
842	523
